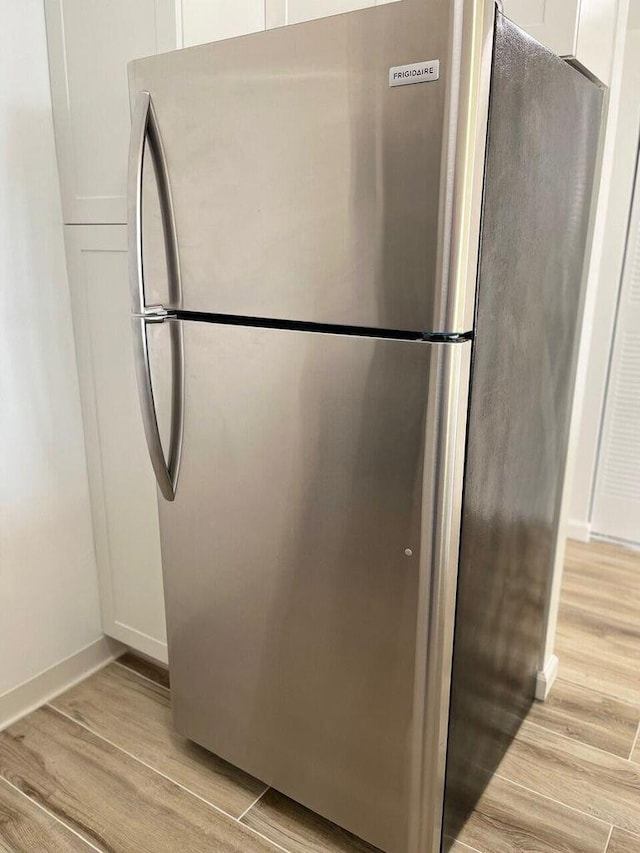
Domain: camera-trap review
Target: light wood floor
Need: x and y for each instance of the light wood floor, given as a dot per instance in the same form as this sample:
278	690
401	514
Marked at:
100	767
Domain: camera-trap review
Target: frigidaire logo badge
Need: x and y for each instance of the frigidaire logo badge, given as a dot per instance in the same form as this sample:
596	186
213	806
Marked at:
418	72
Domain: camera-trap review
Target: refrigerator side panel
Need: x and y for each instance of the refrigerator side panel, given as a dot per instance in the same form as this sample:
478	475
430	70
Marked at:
543	140
295	557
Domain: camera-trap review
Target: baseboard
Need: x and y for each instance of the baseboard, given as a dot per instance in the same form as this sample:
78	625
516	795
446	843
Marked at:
546	678
31	694
580	530
615	540
138	642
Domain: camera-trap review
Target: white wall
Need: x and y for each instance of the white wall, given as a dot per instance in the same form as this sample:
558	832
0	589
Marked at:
606	299
48	583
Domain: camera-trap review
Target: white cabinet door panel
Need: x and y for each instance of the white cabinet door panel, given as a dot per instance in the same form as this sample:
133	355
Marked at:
211	20
90	43
123	492
553	23
281	12
596	37
581	29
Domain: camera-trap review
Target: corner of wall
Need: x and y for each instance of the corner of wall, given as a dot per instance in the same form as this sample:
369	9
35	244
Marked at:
31	694
546	678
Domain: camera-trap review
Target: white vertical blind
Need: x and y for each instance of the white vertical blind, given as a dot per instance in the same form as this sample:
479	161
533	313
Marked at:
616	509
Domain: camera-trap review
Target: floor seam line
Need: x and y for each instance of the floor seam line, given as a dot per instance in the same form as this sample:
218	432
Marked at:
265	838
467	846
553	800
606	846
52	815
139	675
254	803
572	740
634	744
603	693
160	773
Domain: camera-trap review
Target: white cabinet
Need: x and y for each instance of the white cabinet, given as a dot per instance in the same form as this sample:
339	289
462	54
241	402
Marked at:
281	12
581	29
201	21
551	22
90	43
123	492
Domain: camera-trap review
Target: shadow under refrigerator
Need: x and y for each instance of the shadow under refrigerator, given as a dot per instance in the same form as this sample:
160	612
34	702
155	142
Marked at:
356	253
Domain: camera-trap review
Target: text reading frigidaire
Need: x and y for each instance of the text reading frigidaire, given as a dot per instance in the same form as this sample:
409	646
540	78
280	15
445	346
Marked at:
417	72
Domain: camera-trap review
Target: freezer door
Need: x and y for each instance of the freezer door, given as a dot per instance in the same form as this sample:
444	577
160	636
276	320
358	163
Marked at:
305	187
309	561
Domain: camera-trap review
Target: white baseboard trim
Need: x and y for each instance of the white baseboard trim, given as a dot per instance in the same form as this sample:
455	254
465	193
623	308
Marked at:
580	530
31	694
139	642
615	540
546	678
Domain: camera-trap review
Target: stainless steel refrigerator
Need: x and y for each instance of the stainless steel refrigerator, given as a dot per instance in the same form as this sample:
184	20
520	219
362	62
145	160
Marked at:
356	252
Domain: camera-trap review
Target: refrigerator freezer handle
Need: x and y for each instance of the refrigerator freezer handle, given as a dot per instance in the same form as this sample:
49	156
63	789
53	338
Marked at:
145	130
137	140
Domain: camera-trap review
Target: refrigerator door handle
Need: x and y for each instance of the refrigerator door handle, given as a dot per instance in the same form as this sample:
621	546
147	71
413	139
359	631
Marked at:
144	129
166	472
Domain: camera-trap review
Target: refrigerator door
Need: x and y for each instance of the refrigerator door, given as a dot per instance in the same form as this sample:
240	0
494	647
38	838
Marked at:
310	558
306	187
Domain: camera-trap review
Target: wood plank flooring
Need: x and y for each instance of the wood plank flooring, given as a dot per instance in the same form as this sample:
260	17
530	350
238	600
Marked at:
145	731
622	842
25	827
579	776
509	818
296	828
589	717
598	640
100	767
108	797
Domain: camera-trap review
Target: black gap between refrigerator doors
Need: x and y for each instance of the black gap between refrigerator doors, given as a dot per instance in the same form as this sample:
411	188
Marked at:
322	328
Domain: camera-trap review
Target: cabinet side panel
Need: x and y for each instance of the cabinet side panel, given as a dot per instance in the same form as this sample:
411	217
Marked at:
89	44
542	151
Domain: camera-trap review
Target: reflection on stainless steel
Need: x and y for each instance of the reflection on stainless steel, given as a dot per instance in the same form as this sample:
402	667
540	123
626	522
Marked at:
441	508
463	164
292	606
313	550
293	140
543	142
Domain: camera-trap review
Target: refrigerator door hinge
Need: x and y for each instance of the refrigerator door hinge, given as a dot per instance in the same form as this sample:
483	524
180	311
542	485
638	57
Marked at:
156	314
